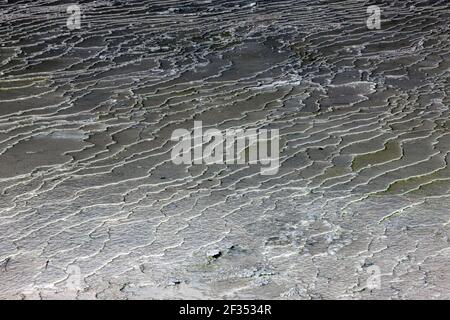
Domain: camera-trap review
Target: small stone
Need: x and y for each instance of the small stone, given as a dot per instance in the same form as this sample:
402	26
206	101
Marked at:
214	254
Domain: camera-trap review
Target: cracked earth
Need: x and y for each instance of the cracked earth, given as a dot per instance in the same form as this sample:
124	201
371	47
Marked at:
92	207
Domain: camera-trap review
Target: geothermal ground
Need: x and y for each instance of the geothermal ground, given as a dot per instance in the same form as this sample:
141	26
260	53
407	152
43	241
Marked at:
92	206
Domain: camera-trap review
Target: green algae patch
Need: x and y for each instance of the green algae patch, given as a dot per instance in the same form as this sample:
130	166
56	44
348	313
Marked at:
411	183
303	53
434	187
335	171
186	92
391	151
418	185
